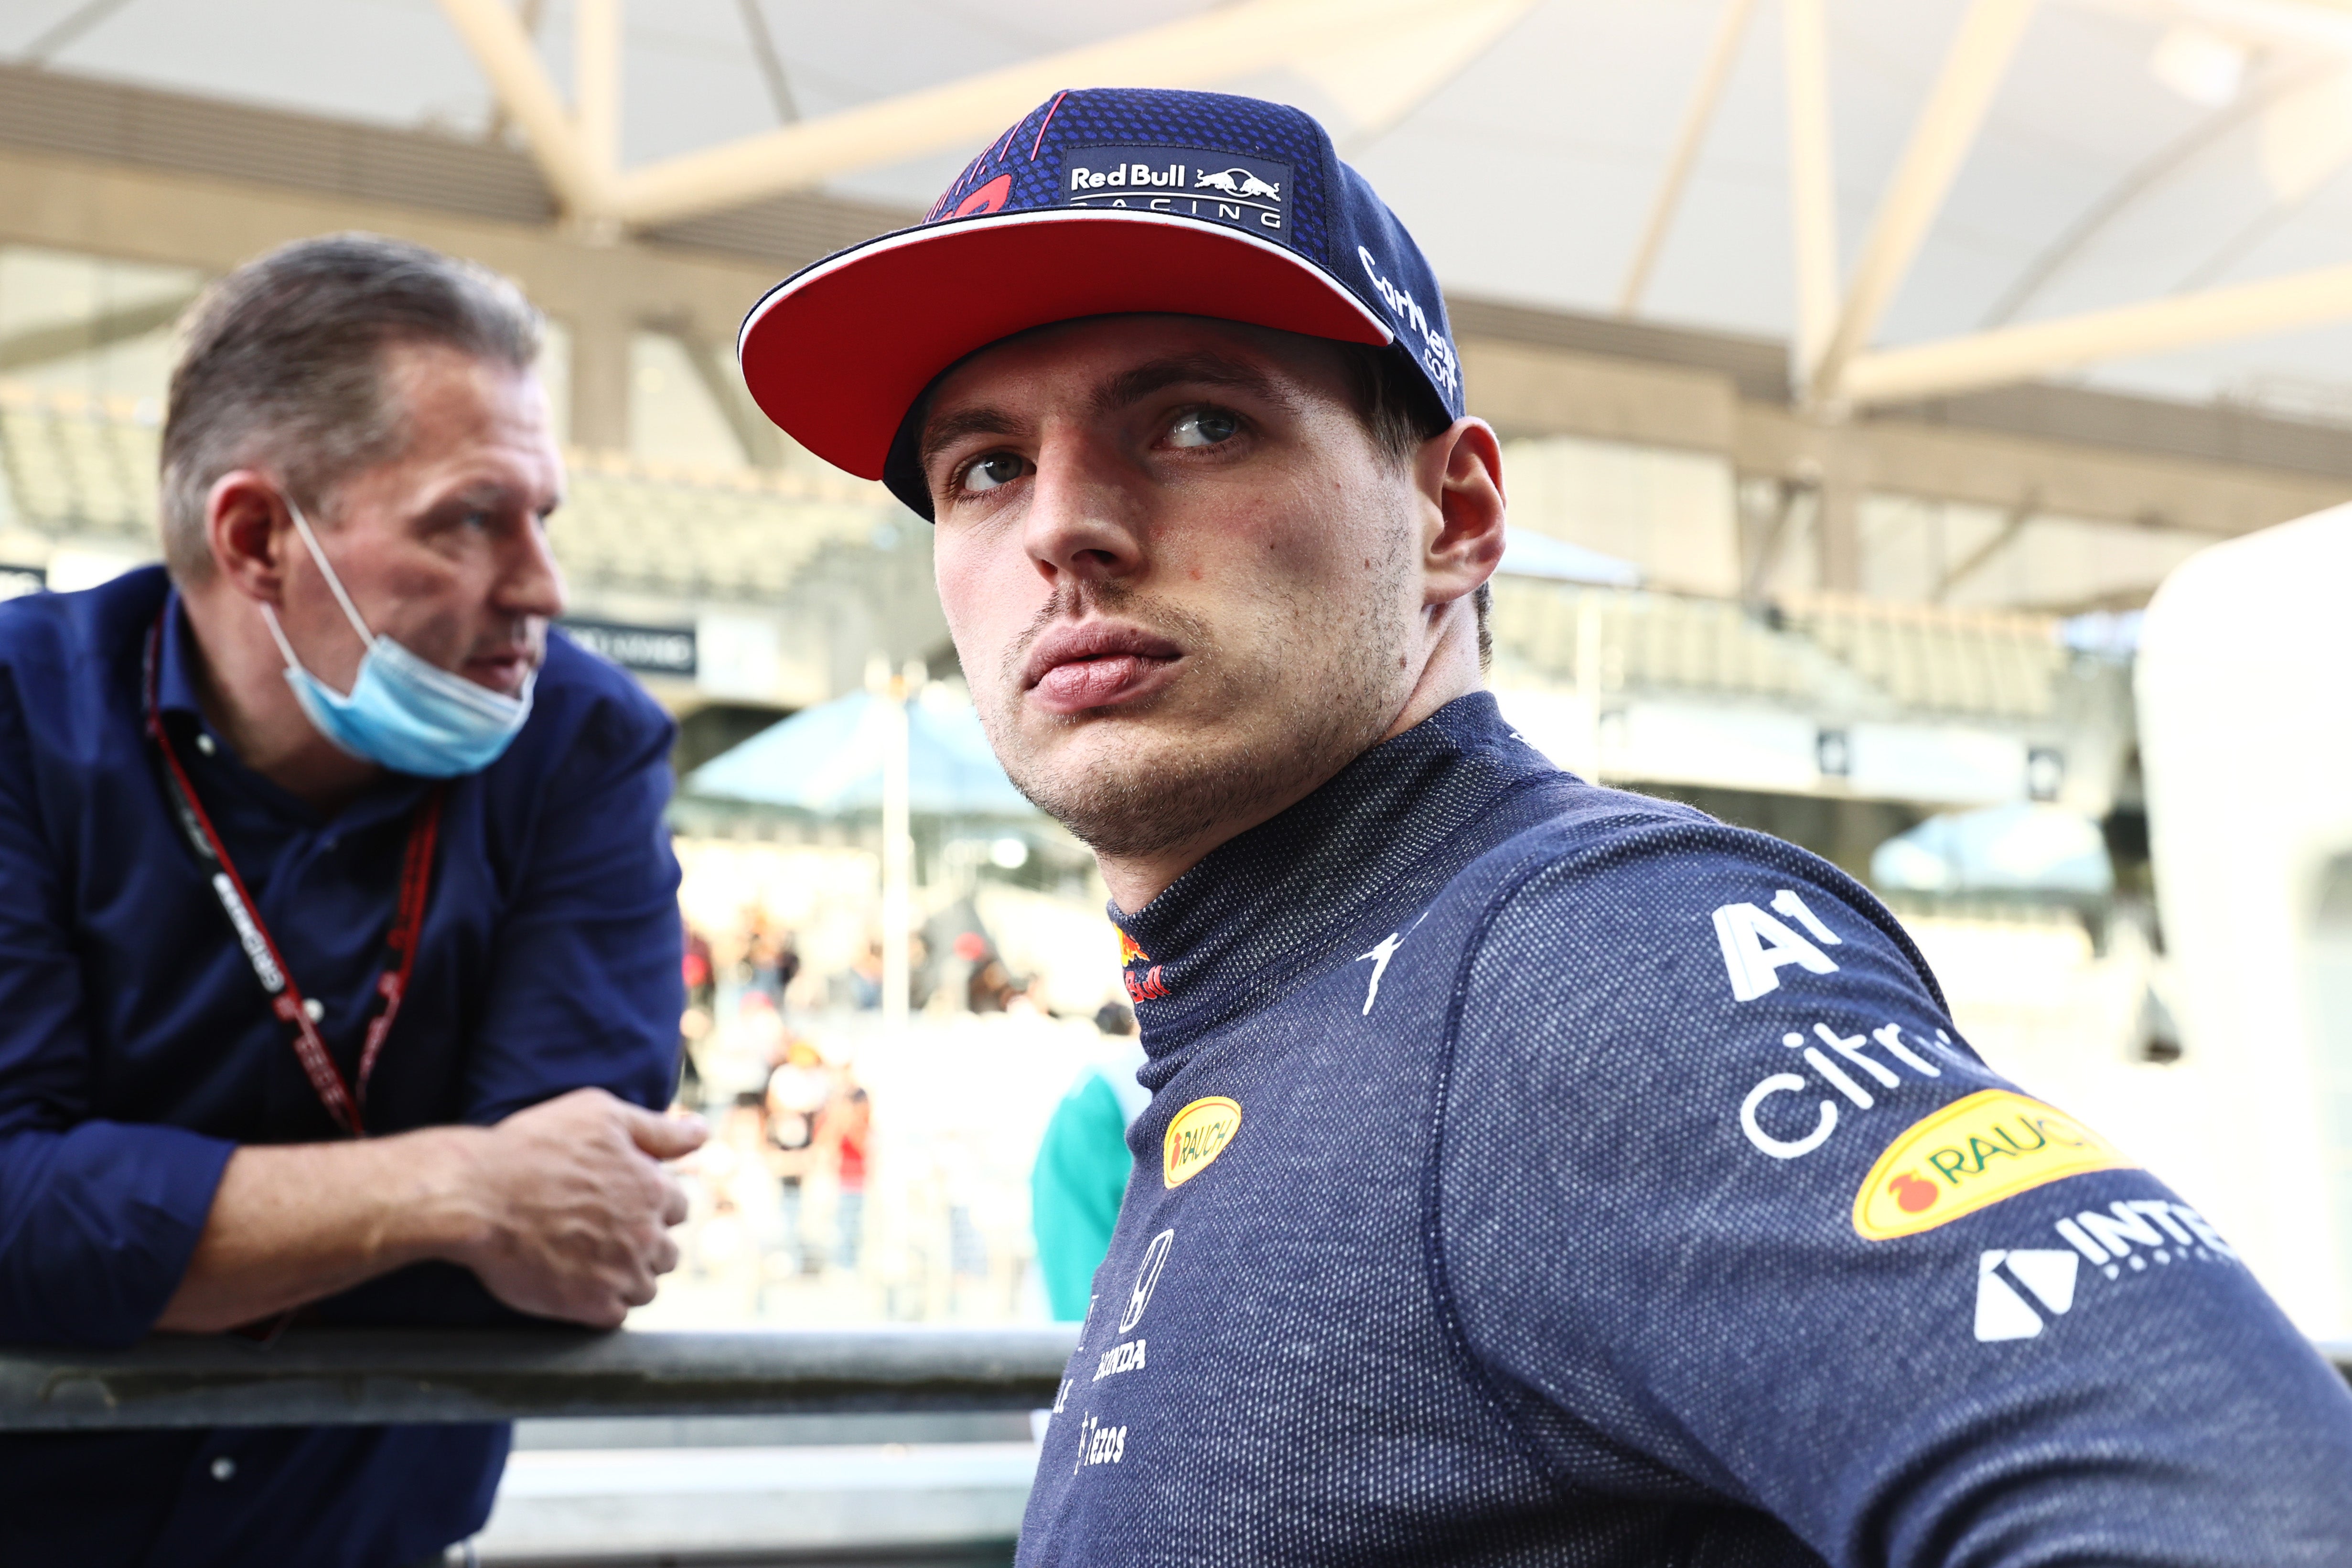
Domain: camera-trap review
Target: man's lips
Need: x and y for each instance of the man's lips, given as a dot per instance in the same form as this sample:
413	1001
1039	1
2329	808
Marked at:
502	672
1095	663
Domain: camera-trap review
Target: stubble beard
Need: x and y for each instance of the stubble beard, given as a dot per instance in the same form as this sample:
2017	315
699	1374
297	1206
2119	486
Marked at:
1271	726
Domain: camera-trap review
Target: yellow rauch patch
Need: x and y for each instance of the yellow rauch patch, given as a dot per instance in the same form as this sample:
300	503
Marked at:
1971	1155
1198	1135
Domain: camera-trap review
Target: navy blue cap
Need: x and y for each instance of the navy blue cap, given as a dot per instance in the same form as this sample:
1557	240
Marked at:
1098	202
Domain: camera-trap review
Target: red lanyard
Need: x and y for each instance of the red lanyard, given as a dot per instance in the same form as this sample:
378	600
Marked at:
285	998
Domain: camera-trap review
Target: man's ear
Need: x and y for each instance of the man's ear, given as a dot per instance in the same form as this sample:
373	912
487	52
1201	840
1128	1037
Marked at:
249	531
1459	472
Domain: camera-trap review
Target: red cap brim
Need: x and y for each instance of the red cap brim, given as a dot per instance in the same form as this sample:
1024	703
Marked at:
836	355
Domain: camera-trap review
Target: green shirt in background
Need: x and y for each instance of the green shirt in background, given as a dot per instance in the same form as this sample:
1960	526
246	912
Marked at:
1075	1191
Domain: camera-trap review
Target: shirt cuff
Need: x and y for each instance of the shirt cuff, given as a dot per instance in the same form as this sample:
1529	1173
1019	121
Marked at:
100	1221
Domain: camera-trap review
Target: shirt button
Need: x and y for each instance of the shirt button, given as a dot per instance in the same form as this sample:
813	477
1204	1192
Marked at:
314	1007
224	1468
205	744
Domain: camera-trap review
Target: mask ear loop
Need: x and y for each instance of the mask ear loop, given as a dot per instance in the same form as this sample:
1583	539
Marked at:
278	633
311	540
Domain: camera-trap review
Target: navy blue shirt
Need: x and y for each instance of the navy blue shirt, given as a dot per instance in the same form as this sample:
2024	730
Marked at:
1539	1174
137	1050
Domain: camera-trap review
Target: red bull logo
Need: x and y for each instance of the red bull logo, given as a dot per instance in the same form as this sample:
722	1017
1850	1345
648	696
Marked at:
1239	182
1146	987
1184	183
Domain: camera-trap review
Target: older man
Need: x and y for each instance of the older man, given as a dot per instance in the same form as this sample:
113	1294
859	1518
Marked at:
1534	1174
339	949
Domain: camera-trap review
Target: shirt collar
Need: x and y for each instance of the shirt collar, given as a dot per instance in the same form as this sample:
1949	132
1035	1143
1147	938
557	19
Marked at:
175	687
1364	847
392	794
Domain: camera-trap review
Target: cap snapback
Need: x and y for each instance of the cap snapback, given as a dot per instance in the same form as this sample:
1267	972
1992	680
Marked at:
1098	202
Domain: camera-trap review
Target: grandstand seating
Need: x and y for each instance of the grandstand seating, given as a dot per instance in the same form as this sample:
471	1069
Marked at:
1989	664
704	534
1865	657
79	466
80	469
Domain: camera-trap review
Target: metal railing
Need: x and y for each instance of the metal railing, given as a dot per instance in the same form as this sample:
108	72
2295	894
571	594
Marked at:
361	1376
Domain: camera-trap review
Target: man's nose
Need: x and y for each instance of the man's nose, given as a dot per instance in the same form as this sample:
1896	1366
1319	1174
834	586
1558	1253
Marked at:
1086	514
532	584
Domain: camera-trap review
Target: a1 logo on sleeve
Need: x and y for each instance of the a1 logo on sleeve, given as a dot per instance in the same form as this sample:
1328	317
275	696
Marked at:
1756	944
1252	194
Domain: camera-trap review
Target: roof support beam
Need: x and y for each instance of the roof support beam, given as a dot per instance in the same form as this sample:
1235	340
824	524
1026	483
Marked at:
1197	51
2012	523
2042	348
2145	177
67	31
1947	128
596	84
1813	179
1729	29
1375	82
504	51
1530	390
762	40
38	346
713	363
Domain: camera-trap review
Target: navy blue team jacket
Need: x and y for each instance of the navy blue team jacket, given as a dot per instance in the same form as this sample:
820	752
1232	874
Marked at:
137	1050
1538	1174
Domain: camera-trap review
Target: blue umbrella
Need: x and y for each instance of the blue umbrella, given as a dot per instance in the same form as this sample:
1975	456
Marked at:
2016	849
828	760
1526	553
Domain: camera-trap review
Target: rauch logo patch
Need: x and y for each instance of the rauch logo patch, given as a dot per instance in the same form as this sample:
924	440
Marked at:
1252	194
1198	1135
1971	1155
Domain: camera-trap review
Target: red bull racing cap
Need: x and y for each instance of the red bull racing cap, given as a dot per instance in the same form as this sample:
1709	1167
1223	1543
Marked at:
1098	202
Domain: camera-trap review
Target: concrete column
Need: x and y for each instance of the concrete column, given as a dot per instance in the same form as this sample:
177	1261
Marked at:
600	382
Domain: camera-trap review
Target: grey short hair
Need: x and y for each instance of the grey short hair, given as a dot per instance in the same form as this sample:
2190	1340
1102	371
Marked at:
281	365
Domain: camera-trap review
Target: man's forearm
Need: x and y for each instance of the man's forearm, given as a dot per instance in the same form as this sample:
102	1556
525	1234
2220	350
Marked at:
293	1224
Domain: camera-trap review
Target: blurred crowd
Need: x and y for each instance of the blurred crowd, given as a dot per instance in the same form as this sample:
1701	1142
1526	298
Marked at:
797	1193
785	1119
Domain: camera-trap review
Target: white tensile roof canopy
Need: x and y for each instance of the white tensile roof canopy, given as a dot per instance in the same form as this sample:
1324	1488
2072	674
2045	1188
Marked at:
1925	196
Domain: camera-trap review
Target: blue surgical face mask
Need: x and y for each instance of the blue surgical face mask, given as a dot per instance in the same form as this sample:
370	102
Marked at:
403	712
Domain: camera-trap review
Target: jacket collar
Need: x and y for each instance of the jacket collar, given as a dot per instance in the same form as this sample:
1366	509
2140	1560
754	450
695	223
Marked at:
1369	845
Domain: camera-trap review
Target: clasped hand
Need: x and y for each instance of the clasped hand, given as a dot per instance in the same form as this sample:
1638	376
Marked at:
576	1205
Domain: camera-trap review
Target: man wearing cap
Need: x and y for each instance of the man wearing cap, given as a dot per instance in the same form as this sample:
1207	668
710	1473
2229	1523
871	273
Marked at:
1533	1173
339	949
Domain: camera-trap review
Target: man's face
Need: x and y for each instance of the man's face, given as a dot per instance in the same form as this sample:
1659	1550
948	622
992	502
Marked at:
1182	580
443	548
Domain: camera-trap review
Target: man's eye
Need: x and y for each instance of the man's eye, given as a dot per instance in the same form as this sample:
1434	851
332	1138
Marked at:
988	472
1203	428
